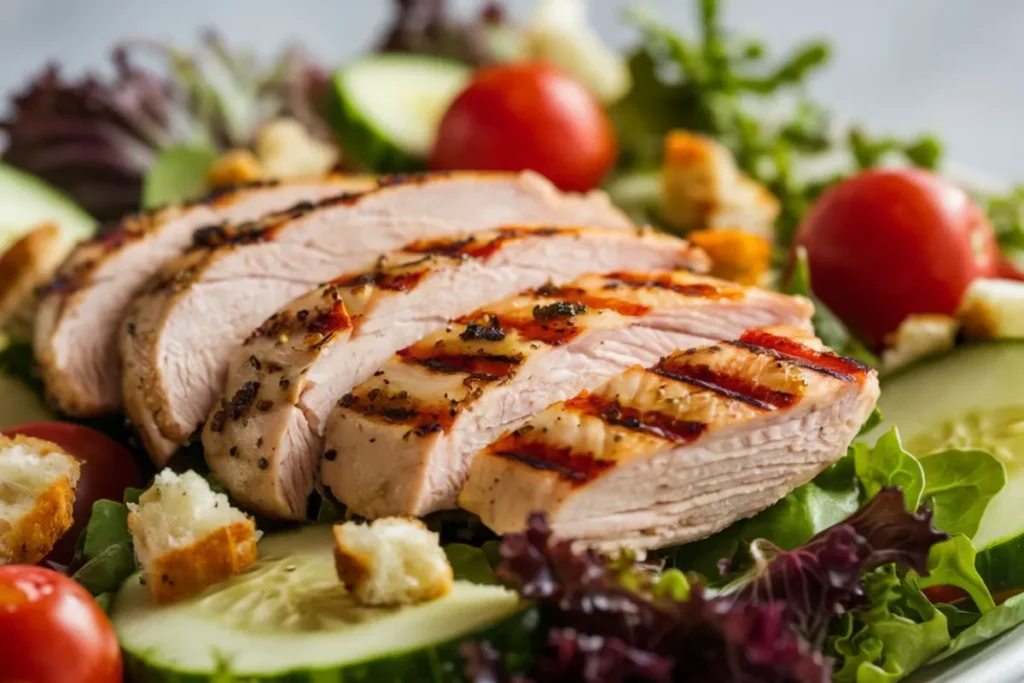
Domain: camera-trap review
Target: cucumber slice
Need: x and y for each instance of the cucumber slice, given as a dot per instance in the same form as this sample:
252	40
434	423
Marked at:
20	405
26	201
386	109
289	619
971	397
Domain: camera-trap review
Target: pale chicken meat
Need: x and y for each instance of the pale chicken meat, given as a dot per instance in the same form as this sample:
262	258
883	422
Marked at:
264	438
79	317
670	454
402	442
179	334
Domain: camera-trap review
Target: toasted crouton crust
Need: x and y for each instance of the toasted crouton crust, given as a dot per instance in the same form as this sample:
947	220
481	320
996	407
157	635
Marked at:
184	572
31	537
735	255
353	568
703	188
26	264
400	562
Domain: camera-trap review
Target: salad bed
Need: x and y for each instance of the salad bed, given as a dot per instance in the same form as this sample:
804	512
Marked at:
904	553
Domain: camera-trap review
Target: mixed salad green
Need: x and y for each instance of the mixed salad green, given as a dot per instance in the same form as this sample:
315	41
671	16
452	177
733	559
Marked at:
906	552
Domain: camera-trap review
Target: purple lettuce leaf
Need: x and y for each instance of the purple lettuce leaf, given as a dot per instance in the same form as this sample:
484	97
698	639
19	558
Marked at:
604	622
95	138
823	578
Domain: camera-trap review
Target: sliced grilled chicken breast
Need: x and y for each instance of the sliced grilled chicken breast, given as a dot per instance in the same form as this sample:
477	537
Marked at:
77	324
309	354
675	453
402	441
179	333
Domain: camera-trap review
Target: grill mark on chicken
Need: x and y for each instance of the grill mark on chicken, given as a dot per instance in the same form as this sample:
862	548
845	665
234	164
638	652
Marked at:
134	227
264	229
780	348
387	280
410	178
484	366
650	422
730	386
221	234
400	408
473	247
553	333
574	467
578	295
704	290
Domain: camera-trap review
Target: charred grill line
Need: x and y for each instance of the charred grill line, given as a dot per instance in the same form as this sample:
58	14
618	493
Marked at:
399	282
780	348
741	390
650	422
577	468
701	290
473	247
486	367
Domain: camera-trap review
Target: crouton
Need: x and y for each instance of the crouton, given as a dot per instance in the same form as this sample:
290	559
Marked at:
28	263
287	150
393	561
735	255
919	336
702	188
187	537
37	497
993	309
234	168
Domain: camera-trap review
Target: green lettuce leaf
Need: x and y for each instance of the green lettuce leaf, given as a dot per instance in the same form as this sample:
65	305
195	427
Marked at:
888	464
828	499
958	619
951	563
470	563
177	175
107	556
991	624
959	485
896	634
874	419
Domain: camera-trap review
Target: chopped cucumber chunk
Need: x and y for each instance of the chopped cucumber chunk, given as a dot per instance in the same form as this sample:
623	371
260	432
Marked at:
971	397
26	201
386	109
20	405
289	618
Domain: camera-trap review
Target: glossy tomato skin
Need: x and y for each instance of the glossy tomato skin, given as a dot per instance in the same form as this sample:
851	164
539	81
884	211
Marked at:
528	116
108	468
887	243
52	631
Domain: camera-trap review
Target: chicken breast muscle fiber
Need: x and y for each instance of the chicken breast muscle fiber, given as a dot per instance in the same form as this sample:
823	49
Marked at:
670	454
76	328
265	437
402	442
179	333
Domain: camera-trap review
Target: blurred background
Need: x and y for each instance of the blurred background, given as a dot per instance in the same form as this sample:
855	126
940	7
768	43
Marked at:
946	66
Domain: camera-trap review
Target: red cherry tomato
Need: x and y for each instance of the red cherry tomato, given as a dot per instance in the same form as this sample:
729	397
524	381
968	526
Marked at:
528	116
108	468
52	631
888	243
